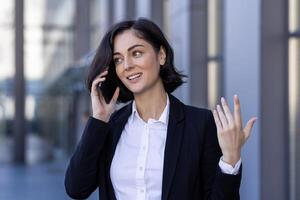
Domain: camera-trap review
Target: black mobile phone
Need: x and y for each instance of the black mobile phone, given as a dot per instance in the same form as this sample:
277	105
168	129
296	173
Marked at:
108	87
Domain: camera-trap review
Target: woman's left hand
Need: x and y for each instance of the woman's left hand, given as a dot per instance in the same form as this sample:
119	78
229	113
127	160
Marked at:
231	134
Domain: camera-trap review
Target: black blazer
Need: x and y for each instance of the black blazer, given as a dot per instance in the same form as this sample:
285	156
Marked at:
192	153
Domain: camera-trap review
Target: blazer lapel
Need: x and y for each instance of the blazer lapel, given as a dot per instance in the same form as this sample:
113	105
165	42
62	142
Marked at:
173	144
118	126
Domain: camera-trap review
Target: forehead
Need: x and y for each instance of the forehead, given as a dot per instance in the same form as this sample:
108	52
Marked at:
126	39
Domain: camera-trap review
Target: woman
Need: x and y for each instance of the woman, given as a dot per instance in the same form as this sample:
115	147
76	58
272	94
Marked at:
155	147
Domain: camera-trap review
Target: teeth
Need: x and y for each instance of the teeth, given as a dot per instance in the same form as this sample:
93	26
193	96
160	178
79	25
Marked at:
134	76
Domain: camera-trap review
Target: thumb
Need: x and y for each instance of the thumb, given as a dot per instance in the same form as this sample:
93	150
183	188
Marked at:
249	126
115	96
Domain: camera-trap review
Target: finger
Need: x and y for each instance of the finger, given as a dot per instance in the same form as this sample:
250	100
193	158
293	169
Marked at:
115	96
237	112
217	121
227	111
222	117
95	84
249	126
103	73
97	81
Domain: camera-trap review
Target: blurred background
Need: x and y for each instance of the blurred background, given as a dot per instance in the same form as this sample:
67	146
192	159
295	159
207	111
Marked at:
226	47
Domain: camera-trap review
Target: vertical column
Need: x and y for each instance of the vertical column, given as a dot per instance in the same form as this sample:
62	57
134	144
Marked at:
82	28
274	101
297	148
215	51
19	116
130	9
106	12
294	98
297	137
119	10
143	8
242	76
157	12
151	9
198	53
124	10
190	46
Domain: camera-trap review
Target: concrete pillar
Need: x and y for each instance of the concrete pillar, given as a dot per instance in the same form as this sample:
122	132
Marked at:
82	28
274	101
294	100
215	52
106	12
151	9
19	92
124	10
297	140
198	53
190	46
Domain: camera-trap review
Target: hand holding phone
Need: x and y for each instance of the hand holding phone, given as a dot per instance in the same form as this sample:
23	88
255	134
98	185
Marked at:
101	108
108	87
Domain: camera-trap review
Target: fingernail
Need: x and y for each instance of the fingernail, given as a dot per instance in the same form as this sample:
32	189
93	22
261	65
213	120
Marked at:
222	99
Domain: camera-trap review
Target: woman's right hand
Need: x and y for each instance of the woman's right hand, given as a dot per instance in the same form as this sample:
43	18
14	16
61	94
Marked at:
101	110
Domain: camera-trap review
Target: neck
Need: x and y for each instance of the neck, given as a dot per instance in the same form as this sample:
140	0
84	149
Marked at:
151	104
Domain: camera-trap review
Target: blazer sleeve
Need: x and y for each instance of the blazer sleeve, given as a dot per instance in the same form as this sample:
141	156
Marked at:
216	185
81	177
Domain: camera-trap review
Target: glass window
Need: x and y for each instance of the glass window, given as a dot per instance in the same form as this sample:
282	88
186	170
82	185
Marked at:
6	75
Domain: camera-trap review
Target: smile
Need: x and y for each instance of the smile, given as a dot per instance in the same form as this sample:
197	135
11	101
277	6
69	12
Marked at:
134	76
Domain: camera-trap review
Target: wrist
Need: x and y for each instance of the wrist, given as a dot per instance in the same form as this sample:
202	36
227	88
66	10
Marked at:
231	159
102	118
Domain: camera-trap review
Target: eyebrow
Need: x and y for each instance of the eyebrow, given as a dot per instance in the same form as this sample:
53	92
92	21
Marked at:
130	48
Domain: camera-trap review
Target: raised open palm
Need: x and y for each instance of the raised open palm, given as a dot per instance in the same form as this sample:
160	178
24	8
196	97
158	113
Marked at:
231	134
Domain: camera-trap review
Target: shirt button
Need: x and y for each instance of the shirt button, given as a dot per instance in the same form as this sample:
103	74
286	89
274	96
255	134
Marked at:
144	147
142	190
141	168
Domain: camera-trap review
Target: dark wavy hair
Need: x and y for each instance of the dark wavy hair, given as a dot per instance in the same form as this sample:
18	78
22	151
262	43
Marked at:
146	30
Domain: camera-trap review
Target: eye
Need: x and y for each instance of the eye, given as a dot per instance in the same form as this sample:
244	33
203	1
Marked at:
136	53
117	60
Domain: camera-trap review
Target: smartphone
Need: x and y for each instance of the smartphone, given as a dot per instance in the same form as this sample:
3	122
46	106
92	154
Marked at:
109	86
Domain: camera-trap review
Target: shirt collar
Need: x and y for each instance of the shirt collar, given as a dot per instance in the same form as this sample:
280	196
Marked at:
163	117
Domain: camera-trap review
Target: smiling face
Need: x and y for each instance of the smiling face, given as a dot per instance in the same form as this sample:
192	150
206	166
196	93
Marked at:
137	63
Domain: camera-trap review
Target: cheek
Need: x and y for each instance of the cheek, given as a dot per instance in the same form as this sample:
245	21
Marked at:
154	67
151	64
119	72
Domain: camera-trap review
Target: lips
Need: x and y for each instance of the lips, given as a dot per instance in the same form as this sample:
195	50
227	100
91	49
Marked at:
134	76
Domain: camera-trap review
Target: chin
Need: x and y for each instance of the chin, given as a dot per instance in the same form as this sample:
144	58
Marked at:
136	90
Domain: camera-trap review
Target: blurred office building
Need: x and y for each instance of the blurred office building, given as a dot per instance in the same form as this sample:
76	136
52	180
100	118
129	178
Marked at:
249	48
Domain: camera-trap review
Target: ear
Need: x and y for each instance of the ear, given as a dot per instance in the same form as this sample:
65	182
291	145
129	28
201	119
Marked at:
162	55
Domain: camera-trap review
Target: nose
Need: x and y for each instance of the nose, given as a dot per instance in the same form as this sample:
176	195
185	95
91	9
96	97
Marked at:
128	63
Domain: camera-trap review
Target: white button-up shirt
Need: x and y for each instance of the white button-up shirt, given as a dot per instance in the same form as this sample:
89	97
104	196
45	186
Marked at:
137	165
